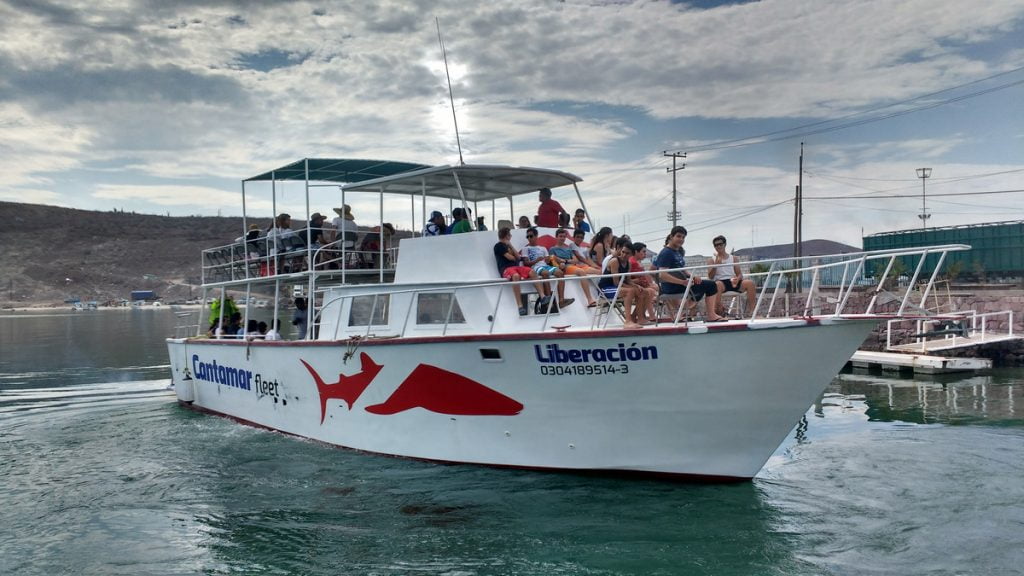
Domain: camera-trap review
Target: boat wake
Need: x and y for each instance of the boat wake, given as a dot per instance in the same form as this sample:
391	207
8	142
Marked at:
85	397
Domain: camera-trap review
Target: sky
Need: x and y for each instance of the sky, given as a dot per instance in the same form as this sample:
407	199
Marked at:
163	107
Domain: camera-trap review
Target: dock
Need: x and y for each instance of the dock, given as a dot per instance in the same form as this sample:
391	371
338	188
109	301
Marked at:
917	363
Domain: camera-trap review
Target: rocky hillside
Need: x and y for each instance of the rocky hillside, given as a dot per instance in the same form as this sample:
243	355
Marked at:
50	254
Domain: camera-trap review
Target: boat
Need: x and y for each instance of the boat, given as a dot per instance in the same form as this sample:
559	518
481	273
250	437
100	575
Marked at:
425	355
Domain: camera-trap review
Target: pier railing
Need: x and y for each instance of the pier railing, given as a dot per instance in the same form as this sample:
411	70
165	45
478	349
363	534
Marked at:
950	330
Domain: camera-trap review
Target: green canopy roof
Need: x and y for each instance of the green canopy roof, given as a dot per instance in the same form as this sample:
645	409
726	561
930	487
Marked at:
477	182
337	170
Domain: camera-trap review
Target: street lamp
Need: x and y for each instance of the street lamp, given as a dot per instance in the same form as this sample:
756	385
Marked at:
924	174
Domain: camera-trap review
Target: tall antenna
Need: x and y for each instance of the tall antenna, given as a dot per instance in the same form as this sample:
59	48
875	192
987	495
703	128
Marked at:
451	98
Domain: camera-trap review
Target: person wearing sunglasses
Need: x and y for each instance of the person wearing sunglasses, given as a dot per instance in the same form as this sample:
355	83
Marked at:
509	268
536	256
725	271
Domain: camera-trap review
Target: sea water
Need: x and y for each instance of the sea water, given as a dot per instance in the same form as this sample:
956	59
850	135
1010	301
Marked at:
101	472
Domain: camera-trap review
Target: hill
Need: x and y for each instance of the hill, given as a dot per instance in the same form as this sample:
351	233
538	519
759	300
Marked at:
51	254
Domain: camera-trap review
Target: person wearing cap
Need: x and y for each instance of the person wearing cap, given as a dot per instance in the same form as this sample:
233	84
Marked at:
435	226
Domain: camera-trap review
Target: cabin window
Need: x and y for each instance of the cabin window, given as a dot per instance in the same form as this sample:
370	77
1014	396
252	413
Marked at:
359	314
432	307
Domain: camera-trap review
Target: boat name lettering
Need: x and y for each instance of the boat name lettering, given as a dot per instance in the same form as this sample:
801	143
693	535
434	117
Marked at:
555	354
221	374
266	387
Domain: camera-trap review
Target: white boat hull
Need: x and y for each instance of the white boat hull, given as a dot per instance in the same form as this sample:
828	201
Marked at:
711	403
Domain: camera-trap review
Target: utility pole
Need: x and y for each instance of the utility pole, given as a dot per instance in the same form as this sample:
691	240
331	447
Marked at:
798	215
924	174
798	219
674	215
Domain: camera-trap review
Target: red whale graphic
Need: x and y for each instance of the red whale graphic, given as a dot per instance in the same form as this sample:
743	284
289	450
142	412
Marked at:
347	388
444	392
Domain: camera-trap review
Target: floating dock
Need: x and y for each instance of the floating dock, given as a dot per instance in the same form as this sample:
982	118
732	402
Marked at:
917	363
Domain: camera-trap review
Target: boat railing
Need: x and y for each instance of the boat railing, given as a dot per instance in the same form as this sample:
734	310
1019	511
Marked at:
849	268
269	258
187	322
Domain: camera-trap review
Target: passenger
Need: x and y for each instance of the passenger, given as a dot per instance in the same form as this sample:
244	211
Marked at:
644	281
675	282
578	236
313	235
727	274
620	286
601	246
275	332
215	330
569	261
480	226
262	328
579	220
563	220
230	308
282	228
509	268
549	210
524	223
436	225
536	257
234	327
460	223
300	318
370	247
253	233
251	330
344	225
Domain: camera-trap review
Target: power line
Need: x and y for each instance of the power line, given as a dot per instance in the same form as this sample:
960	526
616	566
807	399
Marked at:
799	131
983	193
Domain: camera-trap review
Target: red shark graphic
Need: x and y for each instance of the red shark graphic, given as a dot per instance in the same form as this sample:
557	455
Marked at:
444	392
347	388
546	241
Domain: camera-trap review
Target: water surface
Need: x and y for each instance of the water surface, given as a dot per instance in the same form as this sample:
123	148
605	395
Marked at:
102	472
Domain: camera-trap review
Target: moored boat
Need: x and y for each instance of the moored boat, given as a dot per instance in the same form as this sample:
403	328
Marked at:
426	355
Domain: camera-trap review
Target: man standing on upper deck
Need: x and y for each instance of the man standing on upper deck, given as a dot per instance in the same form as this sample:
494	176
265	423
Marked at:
549	210
435	226
460	223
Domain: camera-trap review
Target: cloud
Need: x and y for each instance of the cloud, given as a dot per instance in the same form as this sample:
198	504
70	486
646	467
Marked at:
167	103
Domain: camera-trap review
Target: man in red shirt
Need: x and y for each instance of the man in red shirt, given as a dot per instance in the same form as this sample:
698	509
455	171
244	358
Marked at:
549	210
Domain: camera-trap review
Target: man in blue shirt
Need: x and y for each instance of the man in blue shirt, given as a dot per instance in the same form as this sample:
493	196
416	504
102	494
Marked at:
675	282
579	220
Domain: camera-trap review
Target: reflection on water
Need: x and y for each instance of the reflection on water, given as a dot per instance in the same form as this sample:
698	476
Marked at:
950	399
